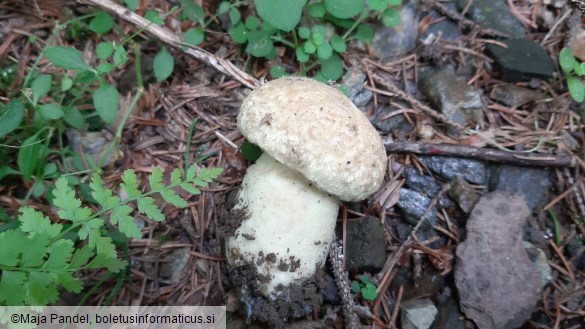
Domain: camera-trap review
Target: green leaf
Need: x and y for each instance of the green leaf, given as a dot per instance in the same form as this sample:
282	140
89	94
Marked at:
34	222
250	151
302	56
338	44
318	38
332	68
11	116
309	47
102	23
173	198
324	51
566	60
282	14
12	242
106	101
38	188
41	290
153	17
259	43
365	279
163	65
105	68
190	188
193	11
224	6
113	264
252	22
66	58
394	2
316	10
355	287
176	176
35	251
304	32
68	282
147	207
64	198
239	33
582	67
377	4
193	36
41	86
120	57
369	292
73	117
576	88
344	8
235	15
6	170
132	4
104	50
130	184
66	83
50	111
12	291
29	156
60	253
103	245
80	257
277	71
121	217
577	69
364	33
209	174
391	17
155	179
49	169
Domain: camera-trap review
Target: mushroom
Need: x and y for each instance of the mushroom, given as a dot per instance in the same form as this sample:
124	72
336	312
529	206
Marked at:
318	149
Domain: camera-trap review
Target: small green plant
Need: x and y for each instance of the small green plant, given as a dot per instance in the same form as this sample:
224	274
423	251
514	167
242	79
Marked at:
365	287
315	31
41	255
573	70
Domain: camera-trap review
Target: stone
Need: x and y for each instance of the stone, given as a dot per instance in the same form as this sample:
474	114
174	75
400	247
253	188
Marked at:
446	28
449	316
386	123
392	42
497	281
421	183
452	96
529	182
522	60
413	205
515	96
473	171
495	15
417	314
175	269
463	194
365	246
94	146
354	80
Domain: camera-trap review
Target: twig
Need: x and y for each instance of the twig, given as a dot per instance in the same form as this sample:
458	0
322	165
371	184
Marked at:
351	318
493	155
220	64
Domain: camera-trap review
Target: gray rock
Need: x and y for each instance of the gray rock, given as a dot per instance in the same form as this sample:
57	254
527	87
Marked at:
495	15
498	284
452	96
541	263
421	183
417	314
448	29
449	315
94	146
464	194
522	60
391	42
385	122
354	80
366	246
473	171
530	183
413	205
175	269
514	96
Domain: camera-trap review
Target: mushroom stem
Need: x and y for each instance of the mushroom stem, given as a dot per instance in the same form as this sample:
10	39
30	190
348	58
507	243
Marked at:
289	227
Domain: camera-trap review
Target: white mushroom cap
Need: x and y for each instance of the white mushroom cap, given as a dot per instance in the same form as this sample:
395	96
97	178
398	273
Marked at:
316	130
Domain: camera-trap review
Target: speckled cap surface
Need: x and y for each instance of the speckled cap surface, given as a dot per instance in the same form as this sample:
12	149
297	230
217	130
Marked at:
316	130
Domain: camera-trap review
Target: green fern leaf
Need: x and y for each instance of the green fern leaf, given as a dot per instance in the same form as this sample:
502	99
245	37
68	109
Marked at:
147	207
102	195
64	199
171	197
60	253
130	185
209	174
12	242
35	251
90	226
190	188
155	179
12	291
191	173
41	289
69	282
103	244
81	257
34	222
121	216
200	182
176	176
112	264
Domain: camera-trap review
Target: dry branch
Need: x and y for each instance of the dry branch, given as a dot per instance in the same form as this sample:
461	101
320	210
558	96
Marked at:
164	35
493	155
